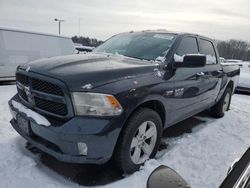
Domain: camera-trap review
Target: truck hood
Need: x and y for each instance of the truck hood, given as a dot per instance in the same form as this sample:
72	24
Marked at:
84	71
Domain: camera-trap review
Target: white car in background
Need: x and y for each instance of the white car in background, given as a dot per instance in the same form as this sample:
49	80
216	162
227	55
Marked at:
19	47
80	48
244	81
232	61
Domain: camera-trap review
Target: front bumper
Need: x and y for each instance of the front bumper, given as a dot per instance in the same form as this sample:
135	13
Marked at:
61	141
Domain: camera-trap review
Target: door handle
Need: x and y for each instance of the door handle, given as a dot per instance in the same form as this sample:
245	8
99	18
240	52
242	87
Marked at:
200	74
219	73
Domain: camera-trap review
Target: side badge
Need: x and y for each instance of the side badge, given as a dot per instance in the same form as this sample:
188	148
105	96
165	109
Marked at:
175	93
178	92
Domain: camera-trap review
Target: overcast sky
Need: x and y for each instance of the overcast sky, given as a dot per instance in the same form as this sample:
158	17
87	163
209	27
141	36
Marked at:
219	19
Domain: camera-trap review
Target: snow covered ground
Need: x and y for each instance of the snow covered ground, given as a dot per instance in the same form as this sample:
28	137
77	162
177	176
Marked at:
202	156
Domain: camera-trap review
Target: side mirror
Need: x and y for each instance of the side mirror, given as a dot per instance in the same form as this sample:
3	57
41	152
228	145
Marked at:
164	177
239	173
190	61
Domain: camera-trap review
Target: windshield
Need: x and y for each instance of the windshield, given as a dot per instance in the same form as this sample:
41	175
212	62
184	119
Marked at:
146	46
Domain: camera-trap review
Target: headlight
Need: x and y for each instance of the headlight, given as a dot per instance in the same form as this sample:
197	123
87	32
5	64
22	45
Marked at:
95	104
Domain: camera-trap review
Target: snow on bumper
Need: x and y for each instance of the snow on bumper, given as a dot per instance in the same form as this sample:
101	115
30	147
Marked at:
39	119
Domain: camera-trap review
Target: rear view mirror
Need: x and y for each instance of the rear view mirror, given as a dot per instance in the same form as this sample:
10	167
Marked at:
165	177
239	173
191	61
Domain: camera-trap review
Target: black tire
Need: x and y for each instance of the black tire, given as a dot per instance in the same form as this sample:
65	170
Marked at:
217	110
122	155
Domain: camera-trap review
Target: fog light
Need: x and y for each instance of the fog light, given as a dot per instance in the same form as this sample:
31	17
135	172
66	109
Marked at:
82	148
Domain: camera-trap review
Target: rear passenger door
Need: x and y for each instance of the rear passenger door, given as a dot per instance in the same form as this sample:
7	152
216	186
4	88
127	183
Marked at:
212	71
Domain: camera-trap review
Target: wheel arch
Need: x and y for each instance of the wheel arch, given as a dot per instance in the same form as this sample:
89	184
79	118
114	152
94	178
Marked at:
230	85
149	105
153	104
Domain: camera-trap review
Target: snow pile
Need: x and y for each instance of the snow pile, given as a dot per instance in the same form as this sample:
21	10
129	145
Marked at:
244	76
201	157
18	168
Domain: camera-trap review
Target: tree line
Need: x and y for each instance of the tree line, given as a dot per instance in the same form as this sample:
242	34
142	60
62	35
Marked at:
231	49
234	49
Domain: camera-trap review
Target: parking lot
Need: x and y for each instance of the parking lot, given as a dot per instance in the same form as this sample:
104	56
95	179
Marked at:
201	149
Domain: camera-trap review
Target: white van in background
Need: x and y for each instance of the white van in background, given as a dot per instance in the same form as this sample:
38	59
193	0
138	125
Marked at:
18	47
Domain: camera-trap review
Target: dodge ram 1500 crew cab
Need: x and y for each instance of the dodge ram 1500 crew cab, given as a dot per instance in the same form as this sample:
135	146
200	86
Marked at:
115	102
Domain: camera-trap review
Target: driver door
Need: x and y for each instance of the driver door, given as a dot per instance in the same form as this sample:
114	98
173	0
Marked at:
189	83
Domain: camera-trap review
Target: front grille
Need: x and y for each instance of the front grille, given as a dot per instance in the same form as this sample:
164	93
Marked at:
22	94
47	87
50	106
42	95
22	79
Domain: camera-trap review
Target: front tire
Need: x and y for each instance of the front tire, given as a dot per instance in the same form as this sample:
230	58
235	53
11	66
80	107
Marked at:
219	109
139	140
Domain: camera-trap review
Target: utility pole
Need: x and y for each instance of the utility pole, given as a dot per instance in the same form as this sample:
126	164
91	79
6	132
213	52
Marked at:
59	22
248	54
79	27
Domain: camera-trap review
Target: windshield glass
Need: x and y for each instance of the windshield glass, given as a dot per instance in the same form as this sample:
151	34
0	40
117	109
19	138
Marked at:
146	46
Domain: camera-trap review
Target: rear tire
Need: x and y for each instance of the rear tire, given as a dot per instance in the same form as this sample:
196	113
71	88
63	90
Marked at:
219	109
139	141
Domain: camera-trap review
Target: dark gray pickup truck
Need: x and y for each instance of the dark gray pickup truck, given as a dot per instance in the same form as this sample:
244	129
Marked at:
115	102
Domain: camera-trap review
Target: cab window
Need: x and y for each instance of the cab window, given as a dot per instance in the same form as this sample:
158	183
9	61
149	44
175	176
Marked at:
188	45
207	48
